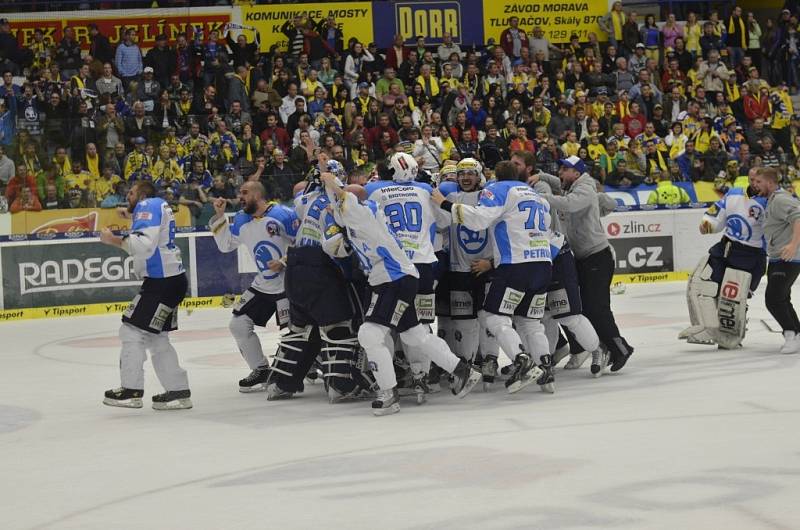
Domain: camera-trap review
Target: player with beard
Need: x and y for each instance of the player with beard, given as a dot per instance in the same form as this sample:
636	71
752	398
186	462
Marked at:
266	230
153	313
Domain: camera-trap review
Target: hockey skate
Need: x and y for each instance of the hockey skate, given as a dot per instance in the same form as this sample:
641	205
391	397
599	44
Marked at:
387	402
420	388
124	397
173	400
256	381
599	361
465	377
546	381
489	372
576	360
276	393
434	378
525	372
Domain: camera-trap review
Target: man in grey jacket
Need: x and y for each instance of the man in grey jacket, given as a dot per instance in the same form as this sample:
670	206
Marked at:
579	210
782	232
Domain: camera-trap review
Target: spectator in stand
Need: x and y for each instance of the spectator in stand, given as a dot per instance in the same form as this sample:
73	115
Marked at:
68	54
128	60
26	201
513	38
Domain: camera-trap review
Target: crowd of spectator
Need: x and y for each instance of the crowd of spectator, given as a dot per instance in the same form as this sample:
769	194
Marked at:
654	102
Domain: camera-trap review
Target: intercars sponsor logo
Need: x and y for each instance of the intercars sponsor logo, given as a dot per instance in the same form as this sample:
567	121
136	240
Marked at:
73	274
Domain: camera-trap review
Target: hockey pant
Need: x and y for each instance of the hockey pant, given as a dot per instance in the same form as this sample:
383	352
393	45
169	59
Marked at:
135	343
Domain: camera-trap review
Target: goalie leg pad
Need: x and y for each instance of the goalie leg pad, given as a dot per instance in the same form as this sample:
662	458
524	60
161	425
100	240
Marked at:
343	367
701	294
732	308
291	350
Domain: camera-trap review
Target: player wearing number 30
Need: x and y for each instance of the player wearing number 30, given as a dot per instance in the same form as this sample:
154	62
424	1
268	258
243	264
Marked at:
266	229
518	220
393	285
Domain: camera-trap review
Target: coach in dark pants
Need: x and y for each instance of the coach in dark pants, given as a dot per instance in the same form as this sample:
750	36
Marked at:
579	211
782	231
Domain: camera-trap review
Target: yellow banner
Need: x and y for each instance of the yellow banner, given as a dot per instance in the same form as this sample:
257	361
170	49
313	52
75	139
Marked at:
9	315
78	220
353	18
559	20
652	277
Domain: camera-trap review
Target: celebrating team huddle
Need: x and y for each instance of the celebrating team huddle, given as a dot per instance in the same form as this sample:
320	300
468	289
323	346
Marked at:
355	276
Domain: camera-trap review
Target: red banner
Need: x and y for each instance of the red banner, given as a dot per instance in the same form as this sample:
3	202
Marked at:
147	27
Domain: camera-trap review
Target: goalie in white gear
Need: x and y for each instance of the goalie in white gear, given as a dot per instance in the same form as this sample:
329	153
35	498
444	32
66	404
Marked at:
393	283
266	230
718	288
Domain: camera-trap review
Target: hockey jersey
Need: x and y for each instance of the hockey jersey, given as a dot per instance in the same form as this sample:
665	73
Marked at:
378	250
518	220
266	237
411	215
465	245
313	217
151	241
740	216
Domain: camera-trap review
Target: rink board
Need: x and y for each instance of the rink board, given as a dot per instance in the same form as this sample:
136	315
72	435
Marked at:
78	276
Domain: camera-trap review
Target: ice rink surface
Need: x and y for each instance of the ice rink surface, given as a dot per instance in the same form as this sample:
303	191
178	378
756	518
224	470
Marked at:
684	437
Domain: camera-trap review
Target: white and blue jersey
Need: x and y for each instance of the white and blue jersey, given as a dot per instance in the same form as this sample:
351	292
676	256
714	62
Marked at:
378	249
465	245
740	216
411	215
518	220
266	237
313	216
151	241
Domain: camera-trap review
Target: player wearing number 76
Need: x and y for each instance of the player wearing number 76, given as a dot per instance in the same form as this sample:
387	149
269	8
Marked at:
518	220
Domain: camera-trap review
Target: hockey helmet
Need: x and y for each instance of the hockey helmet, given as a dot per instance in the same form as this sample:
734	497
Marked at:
404	166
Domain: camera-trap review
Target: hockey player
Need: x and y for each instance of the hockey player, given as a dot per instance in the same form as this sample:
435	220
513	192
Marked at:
412	218
321	307
465	288
153	313
393	280
266	230
518	220
718	289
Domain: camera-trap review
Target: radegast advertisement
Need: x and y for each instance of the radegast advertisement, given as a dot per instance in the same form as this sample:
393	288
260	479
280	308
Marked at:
69	273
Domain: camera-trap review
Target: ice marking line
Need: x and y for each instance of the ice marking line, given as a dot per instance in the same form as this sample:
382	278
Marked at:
401	445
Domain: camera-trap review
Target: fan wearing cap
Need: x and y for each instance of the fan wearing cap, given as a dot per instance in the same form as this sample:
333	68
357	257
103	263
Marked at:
138	164
579	209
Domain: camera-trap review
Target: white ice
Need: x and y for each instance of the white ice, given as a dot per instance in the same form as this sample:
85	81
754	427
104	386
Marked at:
684	437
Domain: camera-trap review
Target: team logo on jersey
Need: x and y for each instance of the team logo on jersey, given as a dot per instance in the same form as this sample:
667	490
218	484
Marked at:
755	212
264	252
471	241
739	228
272	228
144	216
